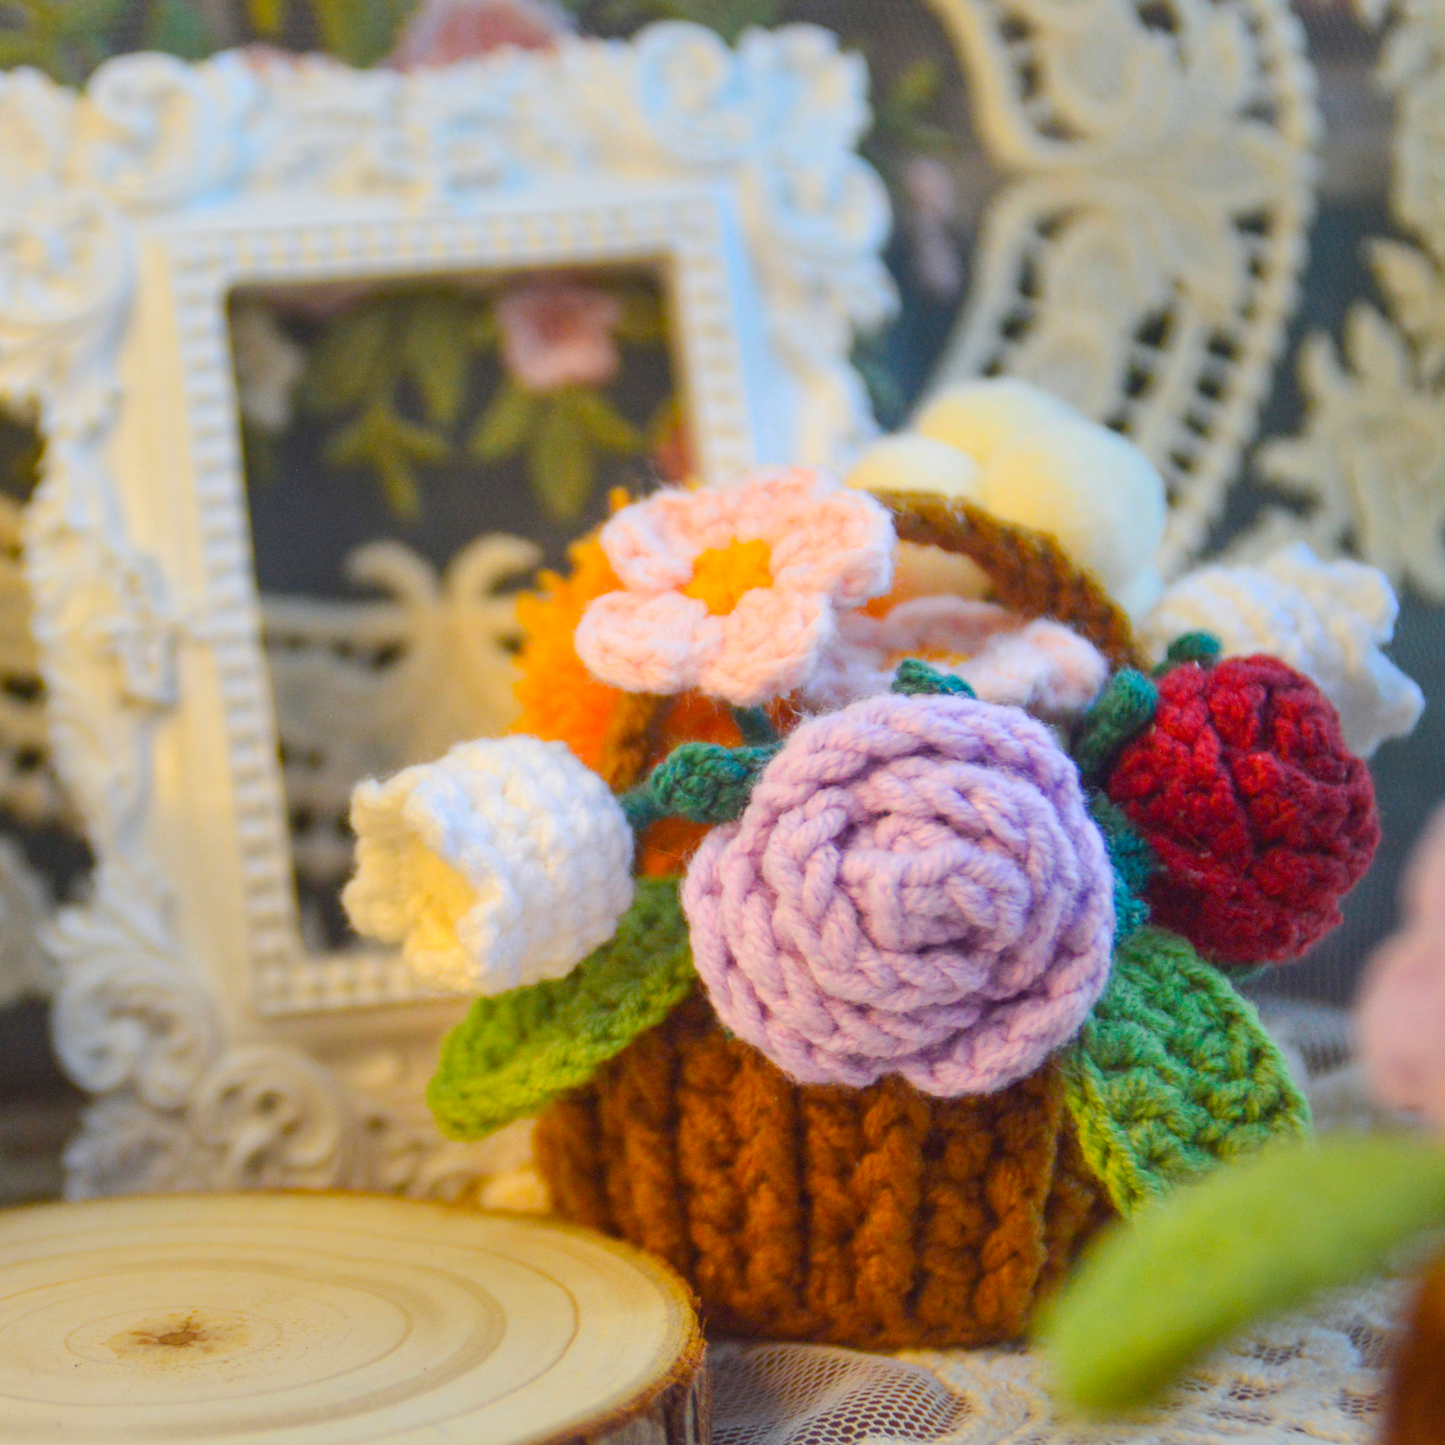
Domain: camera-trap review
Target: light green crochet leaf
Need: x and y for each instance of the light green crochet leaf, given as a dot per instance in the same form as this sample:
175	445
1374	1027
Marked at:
1255	1240
518	1051
1173	1074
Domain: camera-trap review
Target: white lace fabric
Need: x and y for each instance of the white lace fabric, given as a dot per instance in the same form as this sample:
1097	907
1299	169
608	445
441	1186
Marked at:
1314	1377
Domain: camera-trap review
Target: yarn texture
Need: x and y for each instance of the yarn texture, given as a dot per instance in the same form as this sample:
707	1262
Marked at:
733	589
1173	1074
516	1053
1328	620
878	1218
1040	665
1259	816
1030	572
916	887
504	863
559	700
1038	463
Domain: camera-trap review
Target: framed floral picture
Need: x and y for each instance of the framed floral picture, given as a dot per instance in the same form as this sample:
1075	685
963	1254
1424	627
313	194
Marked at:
326	364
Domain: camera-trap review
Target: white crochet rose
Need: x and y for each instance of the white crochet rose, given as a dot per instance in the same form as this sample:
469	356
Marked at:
1326	619
505	863
1028	458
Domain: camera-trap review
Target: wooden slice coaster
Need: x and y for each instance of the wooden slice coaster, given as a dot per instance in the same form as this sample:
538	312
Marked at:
332	1319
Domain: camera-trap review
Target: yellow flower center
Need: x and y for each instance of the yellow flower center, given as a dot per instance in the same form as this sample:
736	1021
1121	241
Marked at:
721	575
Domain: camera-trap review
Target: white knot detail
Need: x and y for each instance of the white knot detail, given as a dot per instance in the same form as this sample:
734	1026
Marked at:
505	863
1327	620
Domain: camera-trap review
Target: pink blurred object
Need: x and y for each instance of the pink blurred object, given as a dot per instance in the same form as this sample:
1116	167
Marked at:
1041	666
442	32
557	334
1401	1013
935	251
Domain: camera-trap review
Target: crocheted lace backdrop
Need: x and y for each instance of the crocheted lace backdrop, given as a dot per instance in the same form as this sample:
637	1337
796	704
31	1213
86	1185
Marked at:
1376	408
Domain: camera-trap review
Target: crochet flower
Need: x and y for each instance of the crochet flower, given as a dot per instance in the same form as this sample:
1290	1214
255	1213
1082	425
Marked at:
1328	620
1041	666
1260	818
914	888
505	863
557	334
734	589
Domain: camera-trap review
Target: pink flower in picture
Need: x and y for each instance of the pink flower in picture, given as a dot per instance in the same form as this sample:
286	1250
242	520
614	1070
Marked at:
559	333
734	590
443	32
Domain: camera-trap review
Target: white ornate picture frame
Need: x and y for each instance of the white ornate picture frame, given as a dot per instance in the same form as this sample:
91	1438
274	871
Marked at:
220	1052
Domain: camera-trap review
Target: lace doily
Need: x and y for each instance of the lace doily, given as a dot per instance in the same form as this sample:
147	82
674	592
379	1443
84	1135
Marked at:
1319	1377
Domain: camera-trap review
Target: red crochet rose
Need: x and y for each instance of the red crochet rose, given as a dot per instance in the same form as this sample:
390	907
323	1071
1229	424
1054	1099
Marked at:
1260	818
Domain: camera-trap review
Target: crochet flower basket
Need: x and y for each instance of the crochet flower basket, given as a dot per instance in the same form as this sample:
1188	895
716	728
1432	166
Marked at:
875	1030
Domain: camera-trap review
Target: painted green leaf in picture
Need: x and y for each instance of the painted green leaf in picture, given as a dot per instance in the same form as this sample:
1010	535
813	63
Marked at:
608	428
436	351
561	464
503	428
392	445
348	360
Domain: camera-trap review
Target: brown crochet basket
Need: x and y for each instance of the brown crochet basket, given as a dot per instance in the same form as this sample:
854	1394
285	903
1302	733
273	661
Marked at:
879	1218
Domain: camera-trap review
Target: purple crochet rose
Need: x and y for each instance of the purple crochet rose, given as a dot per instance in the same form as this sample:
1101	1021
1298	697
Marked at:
915	888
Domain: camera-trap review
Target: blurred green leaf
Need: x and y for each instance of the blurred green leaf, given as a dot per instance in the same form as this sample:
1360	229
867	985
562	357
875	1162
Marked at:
66	39
343	365
268	17
179	27
484	331
607	427
360	32
436	351
561	465
502	430
389	444
1253	1240
917	87
644	322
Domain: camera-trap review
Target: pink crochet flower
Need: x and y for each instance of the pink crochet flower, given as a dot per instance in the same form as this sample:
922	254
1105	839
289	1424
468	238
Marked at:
1040	666
915	888
559	333
442	32
734	589
1402	1009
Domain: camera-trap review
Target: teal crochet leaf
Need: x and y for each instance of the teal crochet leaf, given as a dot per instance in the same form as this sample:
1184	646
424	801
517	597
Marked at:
1173	1073
1257	1239
516	1052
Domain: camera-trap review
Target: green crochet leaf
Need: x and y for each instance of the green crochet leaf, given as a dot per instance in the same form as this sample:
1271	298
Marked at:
1255	1240
1173	1074
518	1051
